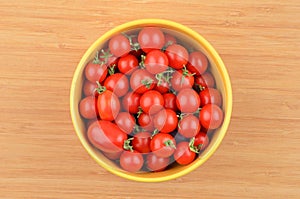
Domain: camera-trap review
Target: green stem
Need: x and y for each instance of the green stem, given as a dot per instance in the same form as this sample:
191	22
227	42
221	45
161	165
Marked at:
169	143
127	145
192	147
100	89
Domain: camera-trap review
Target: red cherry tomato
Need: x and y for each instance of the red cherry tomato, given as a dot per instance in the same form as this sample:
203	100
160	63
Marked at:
141	81
131	102
189	126
113	156
163	145
188	101
156	61
141	142
169	40
178	56
108	105
163	87
146	122
210	96
89	88
183	155
205	80
182	79
170	101
119	45
117	83
131	161
151	102
201	141
211	116
95	72
197	63
128	64
87	107
165	121
155	163
106	136
125	122
151	38
107	58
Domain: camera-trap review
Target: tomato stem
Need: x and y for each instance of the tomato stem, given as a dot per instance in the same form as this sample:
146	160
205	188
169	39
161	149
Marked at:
156	131
169	143
111	70
142	62
127	145
147	82
139	112
96	58
100	89
192	147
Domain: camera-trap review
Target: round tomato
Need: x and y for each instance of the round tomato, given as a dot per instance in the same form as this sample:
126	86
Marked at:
87	107
170	101
95	72
106	136
201	141
183	155
206	80
188	101
162	87
131	102
151	38
211	116
128	64
108	105
89	88
117	83
113	156
178	56
155	163
165	121
141	81
131	161
141	142
119	45
189	126
163	145
146	122
182	79
151	102
125	121
210	96
156	61
169	40
197	63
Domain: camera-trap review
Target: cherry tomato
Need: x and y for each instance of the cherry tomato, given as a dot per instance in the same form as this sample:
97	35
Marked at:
178	56
125	122
155	163
211	116
169	40
151	102
128	64
182	79
119	45
146	122
201	141
163	87
131	102
197	63
87	107
89	88
188	101
189	126
183	155
141	142
117	83
170	101
108	105
113	156
106	57
210	96
163	145
131	161
165	121
205	80
151	38
156	61
106	136
141	81
95	72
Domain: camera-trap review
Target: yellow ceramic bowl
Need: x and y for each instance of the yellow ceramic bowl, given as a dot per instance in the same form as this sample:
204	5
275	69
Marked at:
217	69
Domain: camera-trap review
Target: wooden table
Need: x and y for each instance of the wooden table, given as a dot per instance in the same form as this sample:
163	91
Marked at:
41	44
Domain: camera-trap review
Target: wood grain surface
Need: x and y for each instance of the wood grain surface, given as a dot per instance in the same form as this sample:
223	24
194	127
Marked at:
41	43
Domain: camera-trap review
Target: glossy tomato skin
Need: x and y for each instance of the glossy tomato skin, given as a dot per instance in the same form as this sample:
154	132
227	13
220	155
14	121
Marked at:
201	140
205	80
156	62
169	40
106	136
117	83
170	101
211	116
178	56
165	121
89	88
197	63
87	107
108	105
151	102
183	155
128	64
141	81
131	102
189	126
131	161
125	121
119	45
188	101
151	38
180	81
141	142
95	72
155	163
210	96
146	122
162	87
163	145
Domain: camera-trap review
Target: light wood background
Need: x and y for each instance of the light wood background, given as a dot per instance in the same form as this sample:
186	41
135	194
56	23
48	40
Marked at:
42	41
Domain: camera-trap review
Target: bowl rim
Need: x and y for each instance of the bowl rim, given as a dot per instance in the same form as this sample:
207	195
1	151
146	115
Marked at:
214	56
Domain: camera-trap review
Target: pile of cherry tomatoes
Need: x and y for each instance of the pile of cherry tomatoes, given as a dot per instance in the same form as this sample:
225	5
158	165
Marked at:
149	101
